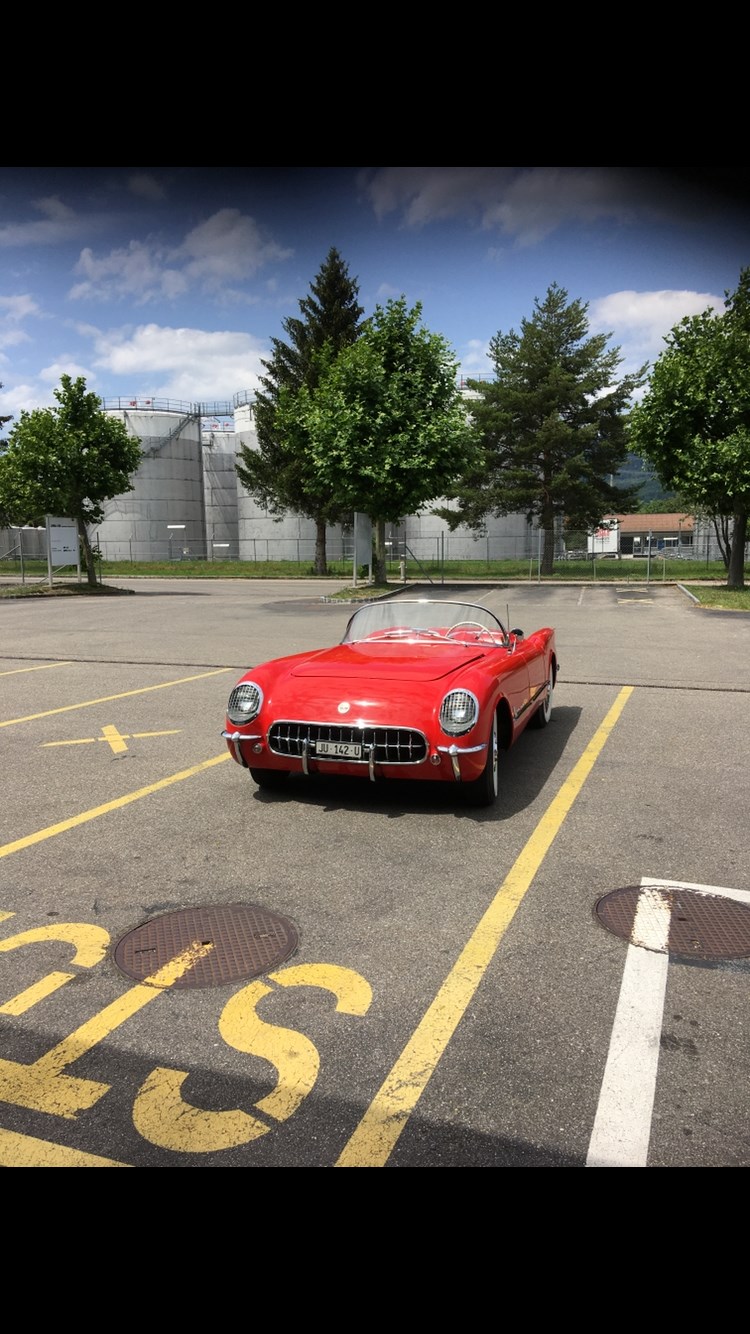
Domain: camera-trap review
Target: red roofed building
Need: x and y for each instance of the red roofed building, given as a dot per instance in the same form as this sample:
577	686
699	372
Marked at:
635	534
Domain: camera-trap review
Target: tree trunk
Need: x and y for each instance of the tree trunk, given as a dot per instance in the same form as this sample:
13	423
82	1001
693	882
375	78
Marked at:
548	551
88	555
379	571
321	559
736	573
723	537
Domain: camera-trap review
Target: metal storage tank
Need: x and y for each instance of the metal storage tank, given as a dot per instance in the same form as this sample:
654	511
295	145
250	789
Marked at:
430	538
219	452
163	517
261	535
187	499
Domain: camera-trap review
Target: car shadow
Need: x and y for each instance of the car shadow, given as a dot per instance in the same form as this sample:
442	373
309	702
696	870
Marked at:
524	770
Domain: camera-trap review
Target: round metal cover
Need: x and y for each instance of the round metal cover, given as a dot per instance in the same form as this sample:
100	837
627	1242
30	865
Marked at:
206	947
669	919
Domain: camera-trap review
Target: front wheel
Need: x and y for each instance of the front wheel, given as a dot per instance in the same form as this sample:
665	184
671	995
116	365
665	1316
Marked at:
270	779
483	791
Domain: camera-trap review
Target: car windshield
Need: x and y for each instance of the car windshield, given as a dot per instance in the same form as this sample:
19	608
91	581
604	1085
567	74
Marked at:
430	621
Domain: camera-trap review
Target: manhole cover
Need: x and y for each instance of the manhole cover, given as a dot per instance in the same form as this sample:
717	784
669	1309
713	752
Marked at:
670	920
206	947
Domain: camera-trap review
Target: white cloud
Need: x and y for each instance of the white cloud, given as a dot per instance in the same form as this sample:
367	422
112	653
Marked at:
145	186
228	248
13	310
135	271
475	360
190	365
225	250
21	398
643	319
60	224
429	194
527	204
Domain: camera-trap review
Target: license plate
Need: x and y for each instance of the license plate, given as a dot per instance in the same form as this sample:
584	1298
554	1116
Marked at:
343	750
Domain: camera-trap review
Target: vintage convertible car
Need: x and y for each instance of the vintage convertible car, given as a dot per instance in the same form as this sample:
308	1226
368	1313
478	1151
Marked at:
421	689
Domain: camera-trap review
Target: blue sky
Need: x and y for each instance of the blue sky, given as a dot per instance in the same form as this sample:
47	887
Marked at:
171	282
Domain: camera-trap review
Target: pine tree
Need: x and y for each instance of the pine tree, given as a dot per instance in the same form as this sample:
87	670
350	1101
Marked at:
552	425
277	473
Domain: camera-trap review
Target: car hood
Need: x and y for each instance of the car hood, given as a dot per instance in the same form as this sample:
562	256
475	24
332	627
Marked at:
384	662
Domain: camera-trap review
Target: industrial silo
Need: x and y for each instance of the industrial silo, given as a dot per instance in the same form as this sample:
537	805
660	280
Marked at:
263	537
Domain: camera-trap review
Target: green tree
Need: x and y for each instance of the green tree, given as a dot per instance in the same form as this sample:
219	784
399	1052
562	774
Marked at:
3	421
277	474
668	505
552	426
386	424
5	520
66	461
693	423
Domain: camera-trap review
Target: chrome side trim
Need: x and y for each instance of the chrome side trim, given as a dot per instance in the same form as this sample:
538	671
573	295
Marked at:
544	689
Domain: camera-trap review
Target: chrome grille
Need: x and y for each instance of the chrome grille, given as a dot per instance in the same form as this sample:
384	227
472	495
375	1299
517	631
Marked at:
391	745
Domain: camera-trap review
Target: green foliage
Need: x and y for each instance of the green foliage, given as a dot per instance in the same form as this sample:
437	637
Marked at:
66	461
665	505
552	425
693	424
278	474
386	425
3	421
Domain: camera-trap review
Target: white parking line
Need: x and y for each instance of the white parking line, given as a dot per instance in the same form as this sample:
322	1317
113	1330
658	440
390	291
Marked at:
622	1126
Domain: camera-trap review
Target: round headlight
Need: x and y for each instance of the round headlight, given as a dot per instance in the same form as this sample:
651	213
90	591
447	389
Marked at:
459	712
245	702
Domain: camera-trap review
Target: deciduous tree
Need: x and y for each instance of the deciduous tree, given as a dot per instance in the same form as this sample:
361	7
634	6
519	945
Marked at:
66	461
386	424
693	423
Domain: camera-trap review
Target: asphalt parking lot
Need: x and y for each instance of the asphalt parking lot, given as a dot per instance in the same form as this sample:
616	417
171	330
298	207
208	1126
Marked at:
461	988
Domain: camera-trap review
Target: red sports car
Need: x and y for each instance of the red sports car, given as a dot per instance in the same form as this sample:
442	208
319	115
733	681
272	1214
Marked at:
422	689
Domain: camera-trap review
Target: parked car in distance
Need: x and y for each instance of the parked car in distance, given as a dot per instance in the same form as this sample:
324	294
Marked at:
425	689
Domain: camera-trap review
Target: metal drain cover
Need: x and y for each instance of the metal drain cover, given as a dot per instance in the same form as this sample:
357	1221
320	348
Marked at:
683	922
206	947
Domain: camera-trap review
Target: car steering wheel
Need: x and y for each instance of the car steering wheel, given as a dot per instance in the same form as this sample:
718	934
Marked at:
468	625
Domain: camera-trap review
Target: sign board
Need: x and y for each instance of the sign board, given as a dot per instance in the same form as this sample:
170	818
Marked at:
605	540
62	544
362	539
62	539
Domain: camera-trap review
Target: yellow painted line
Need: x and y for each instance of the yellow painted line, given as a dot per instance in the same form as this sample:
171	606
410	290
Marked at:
126	694
82	741
24	1151
7	848
26	1000
44	667
380	1127
170	731
115	739
124	736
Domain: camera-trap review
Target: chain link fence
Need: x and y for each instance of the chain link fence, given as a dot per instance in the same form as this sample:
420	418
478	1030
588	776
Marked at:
426	553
